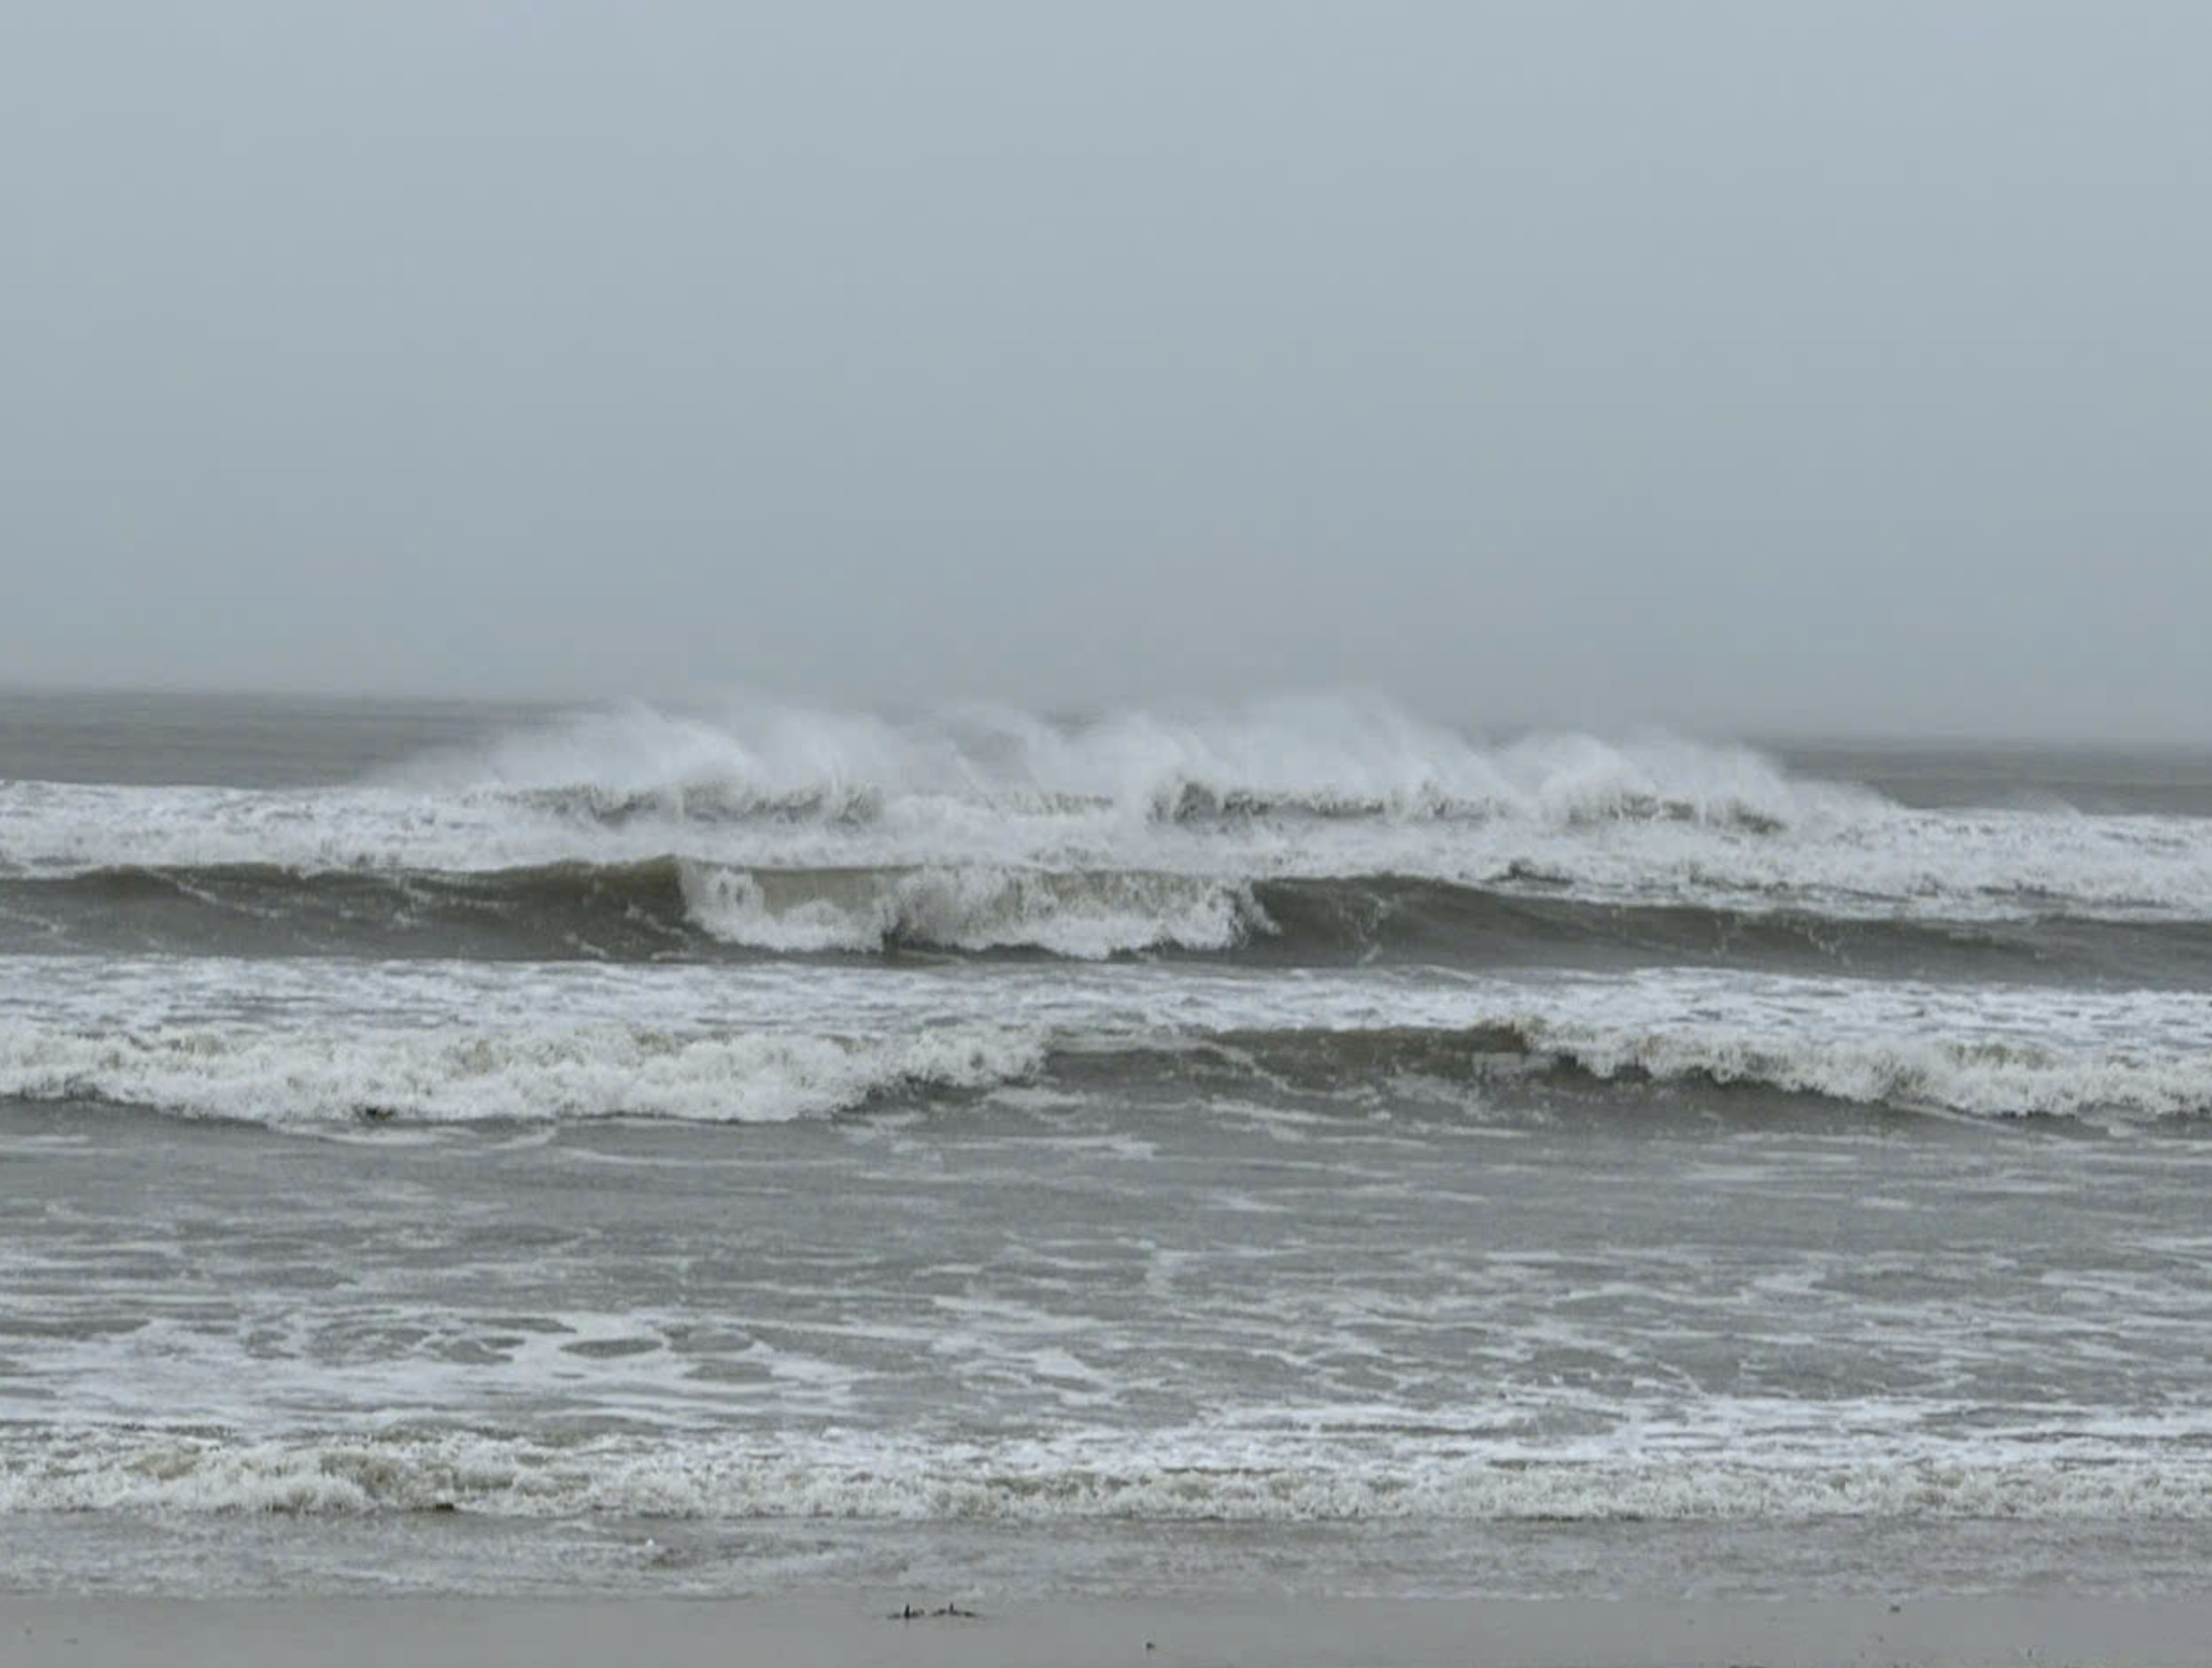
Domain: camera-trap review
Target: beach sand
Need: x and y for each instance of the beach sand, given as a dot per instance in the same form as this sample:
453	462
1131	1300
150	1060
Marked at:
113	1633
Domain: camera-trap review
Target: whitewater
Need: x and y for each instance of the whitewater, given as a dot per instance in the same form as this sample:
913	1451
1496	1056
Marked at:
668	1149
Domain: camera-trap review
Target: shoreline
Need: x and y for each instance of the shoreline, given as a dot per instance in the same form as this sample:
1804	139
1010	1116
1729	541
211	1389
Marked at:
95	1632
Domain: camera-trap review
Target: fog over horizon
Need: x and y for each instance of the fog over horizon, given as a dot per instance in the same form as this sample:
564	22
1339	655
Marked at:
1732	369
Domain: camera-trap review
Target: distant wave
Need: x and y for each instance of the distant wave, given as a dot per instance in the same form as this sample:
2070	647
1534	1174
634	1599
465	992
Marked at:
1045	831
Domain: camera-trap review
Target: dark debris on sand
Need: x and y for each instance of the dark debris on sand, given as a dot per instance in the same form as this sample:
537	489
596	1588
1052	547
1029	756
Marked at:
912	1613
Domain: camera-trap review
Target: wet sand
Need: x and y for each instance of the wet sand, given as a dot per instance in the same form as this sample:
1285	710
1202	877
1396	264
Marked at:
131	1633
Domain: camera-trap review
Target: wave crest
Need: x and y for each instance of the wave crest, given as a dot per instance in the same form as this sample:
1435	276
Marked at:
1088	916
1320	757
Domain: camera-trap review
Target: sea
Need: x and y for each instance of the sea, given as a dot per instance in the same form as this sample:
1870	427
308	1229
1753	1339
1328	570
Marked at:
1299	1147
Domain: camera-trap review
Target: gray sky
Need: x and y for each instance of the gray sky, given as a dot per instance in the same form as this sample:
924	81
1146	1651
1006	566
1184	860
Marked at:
1733	366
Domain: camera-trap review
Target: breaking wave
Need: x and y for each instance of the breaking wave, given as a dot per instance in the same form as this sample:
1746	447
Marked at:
1507	1058
469	1075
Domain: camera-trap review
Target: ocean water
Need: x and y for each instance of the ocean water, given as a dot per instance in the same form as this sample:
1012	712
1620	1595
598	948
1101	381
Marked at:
467	1149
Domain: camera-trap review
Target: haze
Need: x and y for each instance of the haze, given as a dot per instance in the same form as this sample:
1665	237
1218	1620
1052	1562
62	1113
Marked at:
1741	368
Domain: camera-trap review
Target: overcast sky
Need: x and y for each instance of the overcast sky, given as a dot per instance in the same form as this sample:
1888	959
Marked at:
1737	366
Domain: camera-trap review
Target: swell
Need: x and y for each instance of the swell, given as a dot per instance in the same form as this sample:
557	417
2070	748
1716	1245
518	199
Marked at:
1520	924
1521	1064
667	907
554	911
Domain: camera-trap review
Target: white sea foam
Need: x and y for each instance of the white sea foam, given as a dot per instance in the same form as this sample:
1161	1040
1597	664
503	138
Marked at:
1136	1477
1314	789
